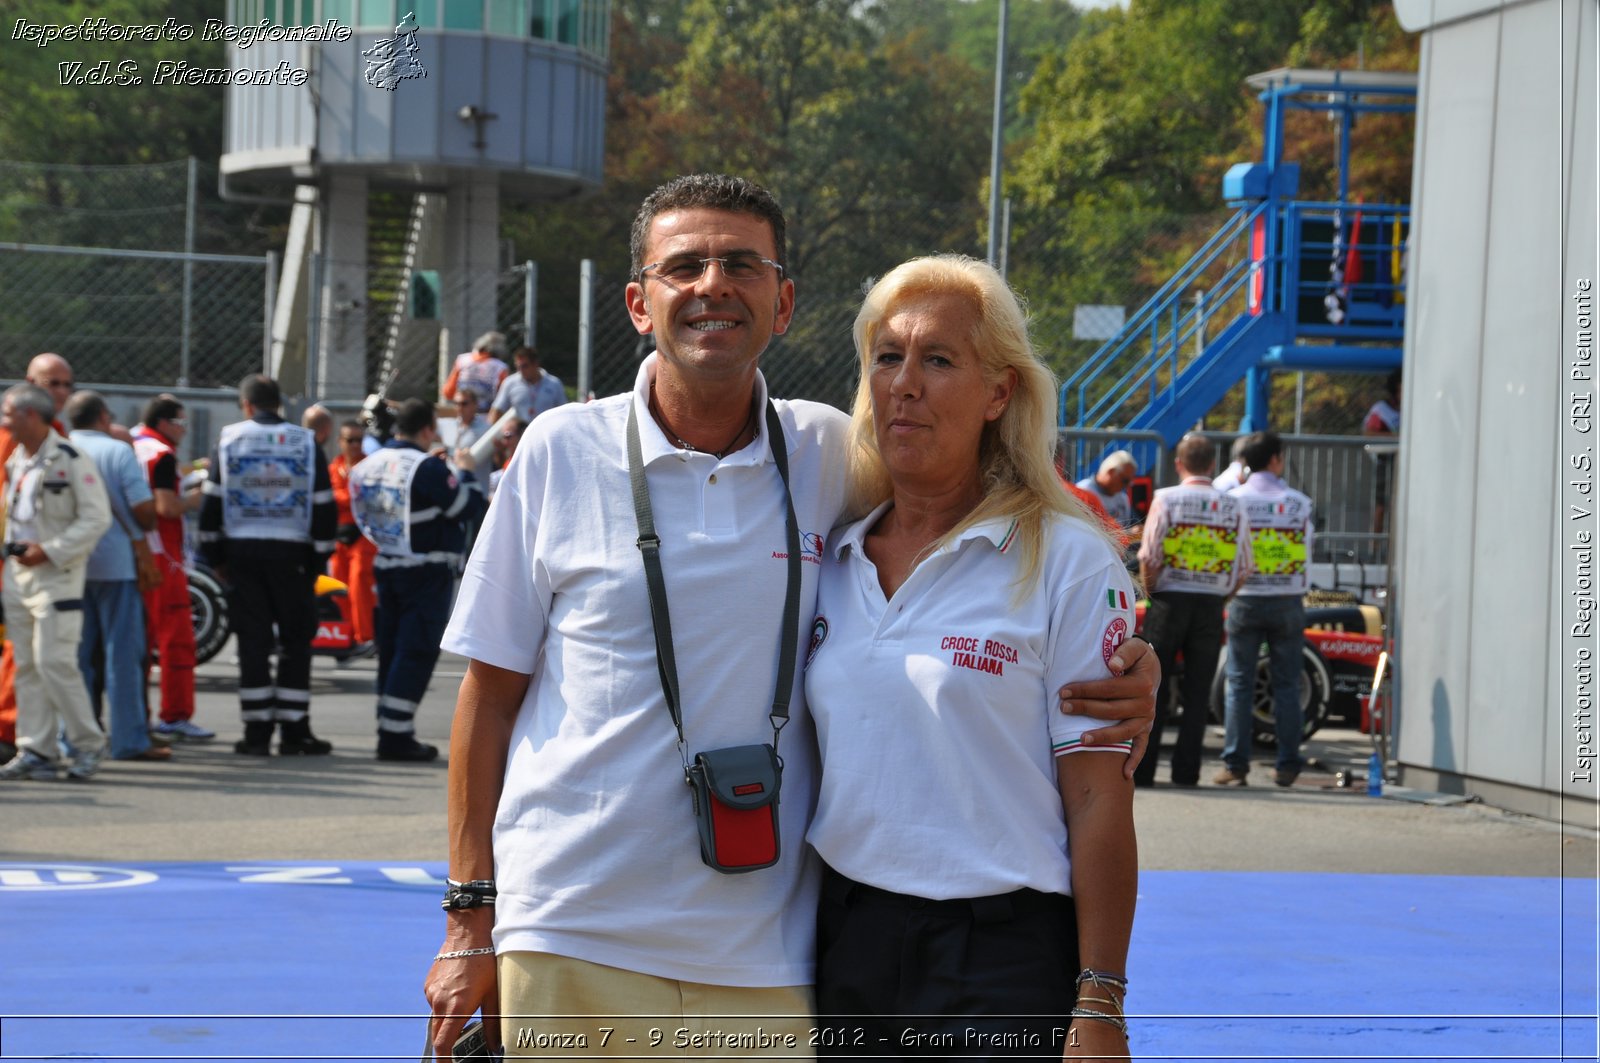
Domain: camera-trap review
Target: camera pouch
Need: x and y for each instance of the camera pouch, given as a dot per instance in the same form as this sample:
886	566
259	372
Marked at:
736	806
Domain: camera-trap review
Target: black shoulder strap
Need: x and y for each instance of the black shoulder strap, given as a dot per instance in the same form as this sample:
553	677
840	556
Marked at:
649	544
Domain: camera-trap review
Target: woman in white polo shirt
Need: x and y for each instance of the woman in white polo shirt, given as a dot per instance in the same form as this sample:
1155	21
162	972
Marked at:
981	863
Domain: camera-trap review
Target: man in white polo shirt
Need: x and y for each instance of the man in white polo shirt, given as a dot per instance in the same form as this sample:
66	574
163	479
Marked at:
577	884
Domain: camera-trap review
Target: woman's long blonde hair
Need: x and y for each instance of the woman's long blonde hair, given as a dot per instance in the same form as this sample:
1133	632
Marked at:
1016	453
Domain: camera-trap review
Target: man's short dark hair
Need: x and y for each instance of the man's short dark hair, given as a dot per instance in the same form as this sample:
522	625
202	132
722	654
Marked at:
713	191
161	408
414	415
260	391
1197	454
1391	384
1261	448
530	353
84	409
353	423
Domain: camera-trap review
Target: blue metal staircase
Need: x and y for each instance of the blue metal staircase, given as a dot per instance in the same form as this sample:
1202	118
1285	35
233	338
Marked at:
1261	295
1251	301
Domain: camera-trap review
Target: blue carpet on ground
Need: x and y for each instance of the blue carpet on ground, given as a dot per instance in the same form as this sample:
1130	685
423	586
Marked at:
325	961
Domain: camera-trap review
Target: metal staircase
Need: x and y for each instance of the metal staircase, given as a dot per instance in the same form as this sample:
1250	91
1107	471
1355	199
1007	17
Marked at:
402	231
1284	284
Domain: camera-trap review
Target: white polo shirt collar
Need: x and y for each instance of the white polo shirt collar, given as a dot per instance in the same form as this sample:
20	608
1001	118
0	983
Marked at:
654	444
1000	531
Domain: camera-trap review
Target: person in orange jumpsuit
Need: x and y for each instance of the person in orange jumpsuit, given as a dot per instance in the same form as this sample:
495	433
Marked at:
171	623
352	557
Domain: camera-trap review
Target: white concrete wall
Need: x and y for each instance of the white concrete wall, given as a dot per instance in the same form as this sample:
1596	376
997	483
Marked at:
1481	514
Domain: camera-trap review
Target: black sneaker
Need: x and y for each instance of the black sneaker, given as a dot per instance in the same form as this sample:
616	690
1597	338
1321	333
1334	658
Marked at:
408	750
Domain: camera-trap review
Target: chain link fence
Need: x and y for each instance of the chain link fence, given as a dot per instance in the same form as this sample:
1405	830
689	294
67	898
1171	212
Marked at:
102	264
142	208
130	317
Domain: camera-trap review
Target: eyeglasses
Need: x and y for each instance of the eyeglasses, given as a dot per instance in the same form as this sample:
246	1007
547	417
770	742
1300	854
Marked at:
181	422
55	383
687	269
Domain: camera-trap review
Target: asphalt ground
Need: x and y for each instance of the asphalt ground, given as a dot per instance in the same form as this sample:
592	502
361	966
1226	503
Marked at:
1309	923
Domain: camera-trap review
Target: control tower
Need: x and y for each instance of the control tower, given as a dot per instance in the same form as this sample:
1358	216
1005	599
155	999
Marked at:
437	110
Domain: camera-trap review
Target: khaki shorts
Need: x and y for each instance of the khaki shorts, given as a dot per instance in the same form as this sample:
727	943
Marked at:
609	1013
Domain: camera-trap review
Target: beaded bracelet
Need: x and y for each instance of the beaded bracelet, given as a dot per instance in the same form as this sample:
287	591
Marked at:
487	950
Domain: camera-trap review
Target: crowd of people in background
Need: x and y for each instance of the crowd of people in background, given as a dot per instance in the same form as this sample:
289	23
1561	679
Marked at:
94	584
96	587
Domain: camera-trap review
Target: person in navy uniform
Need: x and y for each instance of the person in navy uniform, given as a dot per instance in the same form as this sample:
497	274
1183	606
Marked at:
416	509
266	528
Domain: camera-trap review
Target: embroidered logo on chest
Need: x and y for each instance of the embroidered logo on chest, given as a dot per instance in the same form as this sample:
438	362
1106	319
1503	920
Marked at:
980	655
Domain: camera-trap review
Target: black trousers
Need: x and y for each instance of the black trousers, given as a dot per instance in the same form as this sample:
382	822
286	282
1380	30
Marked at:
273	585
902	977
1191	624
413	611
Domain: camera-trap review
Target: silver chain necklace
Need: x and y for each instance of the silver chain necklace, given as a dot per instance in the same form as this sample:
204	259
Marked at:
684	444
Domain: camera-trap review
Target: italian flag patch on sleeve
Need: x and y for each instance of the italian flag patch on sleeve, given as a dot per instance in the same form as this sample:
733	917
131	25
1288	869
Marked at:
1116	599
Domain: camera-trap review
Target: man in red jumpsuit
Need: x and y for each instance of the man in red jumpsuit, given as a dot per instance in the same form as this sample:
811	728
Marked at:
352	557
170	626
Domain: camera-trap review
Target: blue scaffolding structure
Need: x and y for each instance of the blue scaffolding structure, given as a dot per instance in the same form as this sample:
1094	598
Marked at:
1284	284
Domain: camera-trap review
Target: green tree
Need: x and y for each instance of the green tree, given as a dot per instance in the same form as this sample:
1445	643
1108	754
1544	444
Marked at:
966	30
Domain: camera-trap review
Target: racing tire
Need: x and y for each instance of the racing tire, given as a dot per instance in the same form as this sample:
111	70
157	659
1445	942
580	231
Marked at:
1316	688
208	605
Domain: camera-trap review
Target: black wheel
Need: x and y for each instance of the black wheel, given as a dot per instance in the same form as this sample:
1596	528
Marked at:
209	607
1315	691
